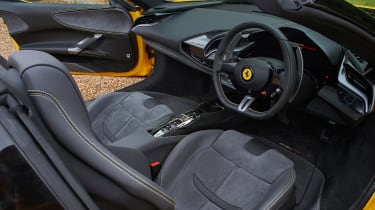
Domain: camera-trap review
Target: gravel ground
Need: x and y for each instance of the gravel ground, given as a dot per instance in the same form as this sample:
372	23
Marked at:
6	46
94	86
90	86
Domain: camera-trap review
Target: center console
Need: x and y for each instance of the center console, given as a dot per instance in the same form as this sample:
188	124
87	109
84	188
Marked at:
205	117
178	122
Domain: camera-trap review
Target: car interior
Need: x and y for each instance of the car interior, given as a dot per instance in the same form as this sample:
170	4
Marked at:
242	110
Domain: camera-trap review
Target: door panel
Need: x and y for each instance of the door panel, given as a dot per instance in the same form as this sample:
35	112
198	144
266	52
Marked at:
108	21
87	38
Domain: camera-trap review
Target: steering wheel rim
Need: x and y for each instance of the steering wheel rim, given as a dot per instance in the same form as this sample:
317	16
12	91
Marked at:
287	82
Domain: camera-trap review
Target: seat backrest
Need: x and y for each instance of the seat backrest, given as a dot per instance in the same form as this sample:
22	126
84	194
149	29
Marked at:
61	107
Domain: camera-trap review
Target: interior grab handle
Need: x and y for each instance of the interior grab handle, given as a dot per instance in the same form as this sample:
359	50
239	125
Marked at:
84	43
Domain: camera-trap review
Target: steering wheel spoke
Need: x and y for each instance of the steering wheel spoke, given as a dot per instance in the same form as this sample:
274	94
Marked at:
228	67
245	103
275	81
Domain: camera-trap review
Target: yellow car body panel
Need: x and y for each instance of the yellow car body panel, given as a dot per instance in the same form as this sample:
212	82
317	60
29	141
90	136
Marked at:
371	203
364	7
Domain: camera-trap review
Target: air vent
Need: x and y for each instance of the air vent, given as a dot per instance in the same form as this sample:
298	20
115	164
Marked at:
151	19
358	58
357	81
361	64
146	19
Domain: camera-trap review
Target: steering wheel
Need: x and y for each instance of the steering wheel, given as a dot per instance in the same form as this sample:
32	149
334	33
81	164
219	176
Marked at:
255	78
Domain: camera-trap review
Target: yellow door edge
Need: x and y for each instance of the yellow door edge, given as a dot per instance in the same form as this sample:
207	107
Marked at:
364	7
371	203
15	44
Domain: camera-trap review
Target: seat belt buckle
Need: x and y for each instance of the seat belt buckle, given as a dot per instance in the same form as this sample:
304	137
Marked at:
155	169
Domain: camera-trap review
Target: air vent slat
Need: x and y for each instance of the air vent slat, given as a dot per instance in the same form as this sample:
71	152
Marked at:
358	58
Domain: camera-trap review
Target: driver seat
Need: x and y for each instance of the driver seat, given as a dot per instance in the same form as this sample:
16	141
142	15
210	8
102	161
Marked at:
210	169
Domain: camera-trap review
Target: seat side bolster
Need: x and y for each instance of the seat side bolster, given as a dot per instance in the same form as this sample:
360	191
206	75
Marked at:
279	191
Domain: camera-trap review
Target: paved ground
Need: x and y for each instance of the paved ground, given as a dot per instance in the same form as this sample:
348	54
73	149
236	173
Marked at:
90	86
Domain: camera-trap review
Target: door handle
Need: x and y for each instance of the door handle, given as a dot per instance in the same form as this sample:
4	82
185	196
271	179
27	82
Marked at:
84	43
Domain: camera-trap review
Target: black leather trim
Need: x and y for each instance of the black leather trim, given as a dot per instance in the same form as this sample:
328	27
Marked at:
211	195
107	21
14	23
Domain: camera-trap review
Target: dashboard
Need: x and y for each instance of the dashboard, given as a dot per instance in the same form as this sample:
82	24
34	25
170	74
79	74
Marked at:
336	75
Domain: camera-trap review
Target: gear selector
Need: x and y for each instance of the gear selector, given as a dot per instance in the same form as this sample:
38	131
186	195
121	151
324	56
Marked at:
177	122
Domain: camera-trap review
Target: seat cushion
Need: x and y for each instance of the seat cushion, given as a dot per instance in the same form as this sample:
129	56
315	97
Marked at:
226	170
120	114
117	115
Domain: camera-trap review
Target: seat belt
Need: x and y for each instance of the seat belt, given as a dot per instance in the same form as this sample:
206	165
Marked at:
22	106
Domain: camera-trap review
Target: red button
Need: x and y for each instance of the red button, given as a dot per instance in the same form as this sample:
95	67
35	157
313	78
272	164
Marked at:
264	92
155	163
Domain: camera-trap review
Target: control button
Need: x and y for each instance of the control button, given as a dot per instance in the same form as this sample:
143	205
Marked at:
264	92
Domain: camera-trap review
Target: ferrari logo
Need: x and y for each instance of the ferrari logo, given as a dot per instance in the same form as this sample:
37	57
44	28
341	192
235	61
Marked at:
247	74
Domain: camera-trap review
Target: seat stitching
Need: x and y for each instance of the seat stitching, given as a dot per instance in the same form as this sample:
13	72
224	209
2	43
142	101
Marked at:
185	168
274	200
281	193
201	187
131	120
191	156
113	162
120	129
107	132
101	125
213	147
141	120
226	177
